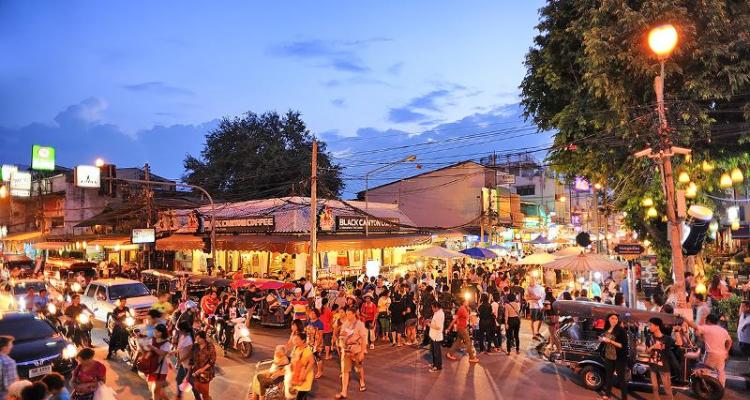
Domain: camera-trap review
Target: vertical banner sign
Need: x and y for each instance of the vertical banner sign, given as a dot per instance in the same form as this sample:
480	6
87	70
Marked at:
20	184
42	158
7	171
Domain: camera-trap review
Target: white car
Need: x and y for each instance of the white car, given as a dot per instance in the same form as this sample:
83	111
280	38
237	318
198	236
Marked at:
101	297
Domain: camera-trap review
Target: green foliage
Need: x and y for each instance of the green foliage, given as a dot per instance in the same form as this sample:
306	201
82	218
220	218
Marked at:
261	156
730	309
590	79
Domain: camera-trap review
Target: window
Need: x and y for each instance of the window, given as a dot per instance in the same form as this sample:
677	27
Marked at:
128	290
101	294
90	292
528	190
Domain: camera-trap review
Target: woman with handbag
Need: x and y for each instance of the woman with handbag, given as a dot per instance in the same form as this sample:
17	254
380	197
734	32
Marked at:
159	349
87	376
204	359
615	350
512	315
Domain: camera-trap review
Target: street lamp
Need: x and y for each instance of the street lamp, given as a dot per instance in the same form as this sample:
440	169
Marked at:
409	158
3	192
99	163
662	40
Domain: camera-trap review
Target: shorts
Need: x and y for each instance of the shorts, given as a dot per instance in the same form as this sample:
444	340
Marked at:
411	322
317	357
399	327
327	338
347	363
156	377
537	314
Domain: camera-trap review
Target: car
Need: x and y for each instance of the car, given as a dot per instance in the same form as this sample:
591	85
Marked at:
38	348
18	265
101	296
18	288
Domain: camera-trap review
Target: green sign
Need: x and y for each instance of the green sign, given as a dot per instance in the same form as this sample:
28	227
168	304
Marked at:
42	158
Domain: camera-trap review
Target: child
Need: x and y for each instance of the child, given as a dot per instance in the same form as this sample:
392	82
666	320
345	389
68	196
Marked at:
56	385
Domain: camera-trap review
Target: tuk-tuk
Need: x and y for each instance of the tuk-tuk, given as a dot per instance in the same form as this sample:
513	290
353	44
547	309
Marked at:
269	312
159	280
581	324
69	274
198	285
18	265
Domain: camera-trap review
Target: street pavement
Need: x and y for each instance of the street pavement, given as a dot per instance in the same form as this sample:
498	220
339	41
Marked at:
391	373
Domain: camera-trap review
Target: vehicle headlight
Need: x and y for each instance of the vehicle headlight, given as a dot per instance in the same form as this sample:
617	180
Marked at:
129	321
467	296
52	308
69	352
245	332
84	318
76	287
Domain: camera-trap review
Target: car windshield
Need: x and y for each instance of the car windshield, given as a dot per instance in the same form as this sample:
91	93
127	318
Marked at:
22	287
128	290
26	329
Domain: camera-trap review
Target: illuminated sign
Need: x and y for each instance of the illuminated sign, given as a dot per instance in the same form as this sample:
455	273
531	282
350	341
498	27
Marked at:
139	236
7	171
247	224
20	184
357	224
42	158
87	176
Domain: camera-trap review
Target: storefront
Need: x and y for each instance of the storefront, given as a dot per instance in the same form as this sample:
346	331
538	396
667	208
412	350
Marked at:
21	243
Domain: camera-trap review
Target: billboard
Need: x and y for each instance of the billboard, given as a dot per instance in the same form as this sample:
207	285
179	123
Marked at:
20	184
145	235
7	171
88	176
42	158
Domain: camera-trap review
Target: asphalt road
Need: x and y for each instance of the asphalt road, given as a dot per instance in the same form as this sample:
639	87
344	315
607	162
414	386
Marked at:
392	373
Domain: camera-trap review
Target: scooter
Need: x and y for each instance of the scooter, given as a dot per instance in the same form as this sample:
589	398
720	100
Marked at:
235	335
693	375
79	331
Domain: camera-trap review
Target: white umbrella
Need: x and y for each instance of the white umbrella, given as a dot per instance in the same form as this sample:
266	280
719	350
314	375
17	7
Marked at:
536	259
568	251
585	263
436	252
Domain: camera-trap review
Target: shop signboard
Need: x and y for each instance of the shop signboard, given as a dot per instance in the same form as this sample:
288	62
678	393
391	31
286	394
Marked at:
504	178
144	235
629	249
88	176
42	158
246	224
326	222
7	171
357	224
20	184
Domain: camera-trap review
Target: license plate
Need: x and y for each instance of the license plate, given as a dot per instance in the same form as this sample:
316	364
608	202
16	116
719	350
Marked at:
43	370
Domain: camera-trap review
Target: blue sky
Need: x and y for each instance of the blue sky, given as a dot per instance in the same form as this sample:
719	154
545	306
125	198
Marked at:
137	82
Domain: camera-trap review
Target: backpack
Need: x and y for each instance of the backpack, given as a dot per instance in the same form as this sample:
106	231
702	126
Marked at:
150	362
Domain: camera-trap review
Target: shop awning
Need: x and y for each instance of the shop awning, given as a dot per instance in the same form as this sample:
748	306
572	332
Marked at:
22	237
179	242
361	242
110	241
50	245
278	244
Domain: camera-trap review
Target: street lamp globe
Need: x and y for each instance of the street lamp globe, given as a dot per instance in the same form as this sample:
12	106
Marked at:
99	162
684	177
662	39
725	182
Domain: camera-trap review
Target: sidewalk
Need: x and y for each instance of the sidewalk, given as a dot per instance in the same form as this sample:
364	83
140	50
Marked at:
737	369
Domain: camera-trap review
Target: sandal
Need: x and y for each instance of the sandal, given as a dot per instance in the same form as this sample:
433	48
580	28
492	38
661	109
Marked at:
362	388
339	396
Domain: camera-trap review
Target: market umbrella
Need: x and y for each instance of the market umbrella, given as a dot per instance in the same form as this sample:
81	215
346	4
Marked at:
562	241
585	263
568	251
540	240
536	259
479	253
436	252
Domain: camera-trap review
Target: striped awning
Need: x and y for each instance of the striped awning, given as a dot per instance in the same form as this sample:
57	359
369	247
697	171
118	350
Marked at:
179	243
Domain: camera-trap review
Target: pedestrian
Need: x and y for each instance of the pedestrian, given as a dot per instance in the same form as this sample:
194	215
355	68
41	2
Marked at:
487	321
302	361
87	376
535	297
298	306
35	391
160	348
15	389
7	366
369	312
461	323
427	297
702	309
314	334
384	317
498	312
396	312
326	317
511	311
203	362
743	328
410	319
274	375
661	358
436	336
56	386
615	343
184	353
716	342
353	348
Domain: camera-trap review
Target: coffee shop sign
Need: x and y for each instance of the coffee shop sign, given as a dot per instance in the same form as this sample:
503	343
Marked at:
357	224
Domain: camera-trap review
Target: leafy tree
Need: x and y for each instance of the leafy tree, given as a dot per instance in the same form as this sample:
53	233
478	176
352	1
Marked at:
261	156
590	79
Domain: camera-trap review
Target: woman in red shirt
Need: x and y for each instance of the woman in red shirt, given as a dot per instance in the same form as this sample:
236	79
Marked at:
368	313
87	376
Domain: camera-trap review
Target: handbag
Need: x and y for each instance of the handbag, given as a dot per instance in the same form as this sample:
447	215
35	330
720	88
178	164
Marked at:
104	392
150	363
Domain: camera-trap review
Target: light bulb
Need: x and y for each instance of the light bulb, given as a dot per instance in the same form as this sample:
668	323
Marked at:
652	213
737	176
725	182
647	202
662	39
735	225
707	166
683	177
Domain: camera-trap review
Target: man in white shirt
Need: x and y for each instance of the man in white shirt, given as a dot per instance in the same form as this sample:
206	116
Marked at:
535	297
717	343
436	336
743	328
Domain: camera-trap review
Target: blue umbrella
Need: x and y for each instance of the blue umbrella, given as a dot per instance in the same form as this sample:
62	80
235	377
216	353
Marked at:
479	253
540	240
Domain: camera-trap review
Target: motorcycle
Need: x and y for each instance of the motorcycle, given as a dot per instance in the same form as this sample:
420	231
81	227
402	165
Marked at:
79	330
52	314
233	334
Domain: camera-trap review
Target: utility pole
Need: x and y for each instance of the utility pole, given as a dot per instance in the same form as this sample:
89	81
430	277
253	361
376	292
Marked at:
314	213
149	205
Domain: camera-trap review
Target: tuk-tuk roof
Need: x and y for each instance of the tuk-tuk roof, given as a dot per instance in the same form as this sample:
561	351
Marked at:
590	309
262	284
16	258
71	263
206	280
165	273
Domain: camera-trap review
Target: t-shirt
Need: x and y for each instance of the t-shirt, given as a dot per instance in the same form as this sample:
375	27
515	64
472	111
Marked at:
412	312
164	367
397	312
436	325
303	356
714	337
462	317
384	304
326	317
660	358
299	309
184	347
369	311
312	329
538	291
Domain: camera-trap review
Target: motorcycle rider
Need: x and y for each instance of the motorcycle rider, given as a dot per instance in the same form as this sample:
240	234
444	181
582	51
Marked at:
72	312
29	299
40	302
118	339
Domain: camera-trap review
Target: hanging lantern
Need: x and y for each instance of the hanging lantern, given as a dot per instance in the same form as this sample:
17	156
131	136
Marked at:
725	182
735	225
700	288
707	166
84	244
652	213
647	202
664	218
691	191
683	177
737	176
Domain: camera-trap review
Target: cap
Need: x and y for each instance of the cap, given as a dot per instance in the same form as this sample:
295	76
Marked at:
297	290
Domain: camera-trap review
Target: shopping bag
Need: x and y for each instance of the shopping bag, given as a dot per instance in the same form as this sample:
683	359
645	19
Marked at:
104	392
185	386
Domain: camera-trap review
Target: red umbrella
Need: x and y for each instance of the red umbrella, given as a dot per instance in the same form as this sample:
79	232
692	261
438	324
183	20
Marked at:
262	284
